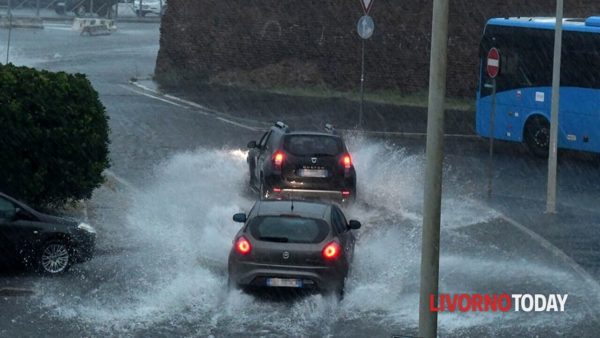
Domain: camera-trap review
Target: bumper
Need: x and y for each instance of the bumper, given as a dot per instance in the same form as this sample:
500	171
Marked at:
84	249
310	194
324	279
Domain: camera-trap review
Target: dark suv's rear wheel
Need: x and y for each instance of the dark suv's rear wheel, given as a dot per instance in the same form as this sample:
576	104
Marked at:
537	136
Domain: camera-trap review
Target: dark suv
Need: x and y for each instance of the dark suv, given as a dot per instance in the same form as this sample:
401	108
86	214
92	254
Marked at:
287	163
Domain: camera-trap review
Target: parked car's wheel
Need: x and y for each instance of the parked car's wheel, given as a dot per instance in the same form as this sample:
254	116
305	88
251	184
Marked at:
537	136
55	257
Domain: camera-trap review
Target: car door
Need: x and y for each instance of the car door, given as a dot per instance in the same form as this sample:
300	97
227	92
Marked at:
262	153
8	251
21	231
253	157
345	235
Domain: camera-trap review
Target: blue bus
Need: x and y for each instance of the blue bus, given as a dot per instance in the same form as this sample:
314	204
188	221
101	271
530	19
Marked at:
524	84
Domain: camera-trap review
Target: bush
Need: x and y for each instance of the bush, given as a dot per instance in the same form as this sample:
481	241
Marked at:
53	136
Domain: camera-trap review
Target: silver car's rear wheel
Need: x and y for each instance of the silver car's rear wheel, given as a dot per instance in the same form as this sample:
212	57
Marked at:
55	257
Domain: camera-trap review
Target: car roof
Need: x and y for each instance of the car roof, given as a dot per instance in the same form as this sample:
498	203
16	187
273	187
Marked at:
308	209
312	133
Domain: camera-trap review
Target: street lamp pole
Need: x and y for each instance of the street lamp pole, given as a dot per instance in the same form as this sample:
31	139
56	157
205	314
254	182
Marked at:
553	148
430	245
9	31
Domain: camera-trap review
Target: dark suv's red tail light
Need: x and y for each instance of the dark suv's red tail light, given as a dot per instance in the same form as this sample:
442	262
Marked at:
278	158
243	246
332	251
347	161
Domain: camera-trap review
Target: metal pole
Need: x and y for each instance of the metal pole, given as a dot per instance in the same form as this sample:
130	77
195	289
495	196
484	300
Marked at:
161	7
91	8
492	121
140	9
37	8
553	151
362	86
9	31
430	245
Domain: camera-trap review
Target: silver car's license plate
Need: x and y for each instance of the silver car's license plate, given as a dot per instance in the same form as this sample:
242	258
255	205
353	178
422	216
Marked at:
284	282
319	173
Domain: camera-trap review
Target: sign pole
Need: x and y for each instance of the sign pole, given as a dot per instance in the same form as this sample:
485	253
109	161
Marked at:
553	149
9	31
492	121
365	28
362	86
432	206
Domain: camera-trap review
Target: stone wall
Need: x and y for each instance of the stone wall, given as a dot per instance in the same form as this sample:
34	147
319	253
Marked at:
203	38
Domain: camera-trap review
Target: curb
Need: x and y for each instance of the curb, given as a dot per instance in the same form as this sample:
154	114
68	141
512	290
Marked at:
221	116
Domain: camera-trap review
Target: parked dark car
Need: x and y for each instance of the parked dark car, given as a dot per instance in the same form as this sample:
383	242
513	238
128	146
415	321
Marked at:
306	245
286	163
48	243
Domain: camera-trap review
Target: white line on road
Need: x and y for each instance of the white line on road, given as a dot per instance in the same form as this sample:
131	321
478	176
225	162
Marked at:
186	104
154	97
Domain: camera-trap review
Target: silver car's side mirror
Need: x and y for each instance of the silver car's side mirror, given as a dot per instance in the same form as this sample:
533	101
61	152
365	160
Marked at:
240	218
354	225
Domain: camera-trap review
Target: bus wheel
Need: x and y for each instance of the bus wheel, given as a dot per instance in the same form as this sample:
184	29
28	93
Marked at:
537	136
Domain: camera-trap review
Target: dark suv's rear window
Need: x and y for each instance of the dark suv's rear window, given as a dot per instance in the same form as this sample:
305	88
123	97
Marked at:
313	145
288	229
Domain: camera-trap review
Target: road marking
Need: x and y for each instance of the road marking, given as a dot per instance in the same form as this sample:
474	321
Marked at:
186	104
15	292
407	134
154	97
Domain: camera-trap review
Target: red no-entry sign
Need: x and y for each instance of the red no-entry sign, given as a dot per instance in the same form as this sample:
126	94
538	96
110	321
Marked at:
493	63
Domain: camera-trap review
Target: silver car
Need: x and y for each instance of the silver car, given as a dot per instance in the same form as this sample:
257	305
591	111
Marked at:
292	244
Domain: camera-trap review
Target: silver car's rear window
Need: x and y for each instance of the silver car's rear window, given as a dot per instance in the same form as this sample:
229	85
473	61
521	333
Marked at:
288	229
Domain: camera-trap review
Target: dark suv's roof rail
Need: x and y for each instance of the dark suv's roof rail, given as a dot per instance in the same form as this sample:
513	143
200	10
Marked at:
330	129
281	125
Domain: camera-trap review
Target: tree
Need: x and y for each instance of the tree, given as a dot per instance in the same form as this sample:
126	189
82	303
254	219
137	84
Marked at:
53	136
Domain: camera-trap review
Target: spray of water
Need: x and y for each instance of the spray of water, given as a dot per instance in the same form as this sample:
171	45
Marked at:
179	230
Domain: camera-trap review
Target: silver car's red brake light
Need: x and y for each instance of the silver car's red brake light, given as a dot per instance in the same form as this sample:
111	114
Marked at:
332	251
243	246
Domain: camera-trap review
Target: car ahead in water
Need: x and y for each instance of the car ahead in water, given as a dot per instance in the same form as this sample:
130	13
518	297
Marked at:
48	243
305	245
286	163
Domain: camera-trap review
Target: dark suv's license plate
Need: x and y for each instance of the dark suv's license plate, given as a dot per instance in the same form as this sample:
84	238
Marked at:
319	173
284	282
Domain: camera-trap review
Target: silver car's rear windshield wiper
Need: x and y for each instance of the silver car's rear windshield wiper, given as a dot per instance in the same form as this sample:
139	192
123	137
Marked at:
275	239
320	155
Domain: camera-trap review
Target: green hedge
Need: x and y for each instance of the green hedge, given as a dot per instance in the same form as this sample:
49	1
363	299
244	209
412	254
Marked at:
53	136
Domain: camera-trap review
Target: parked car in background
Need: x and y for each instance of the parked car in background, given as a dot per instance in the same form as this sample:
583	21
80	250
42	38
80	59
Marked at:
48	243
